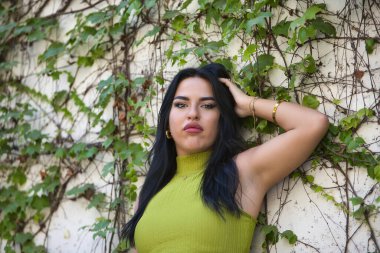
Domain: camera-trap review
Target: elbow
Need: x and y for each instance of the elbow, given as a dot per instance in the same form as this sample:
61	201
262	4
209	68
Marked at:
321	124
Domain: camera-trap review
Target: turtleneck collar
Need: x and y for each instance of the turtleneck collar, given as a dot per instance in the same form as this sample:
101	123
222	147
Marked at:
189	164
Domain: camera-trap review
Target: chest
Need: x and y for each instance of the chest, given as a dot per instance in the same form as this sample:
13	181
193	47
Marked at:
176	218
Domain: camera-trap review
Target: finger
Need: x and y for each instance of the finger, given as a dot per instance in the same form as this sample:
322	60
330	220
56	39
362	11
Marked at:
223	80
226	81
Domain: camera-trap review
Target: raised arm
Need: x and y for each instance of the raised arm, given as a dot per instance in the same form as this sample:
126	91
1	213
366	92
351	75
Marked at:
272	161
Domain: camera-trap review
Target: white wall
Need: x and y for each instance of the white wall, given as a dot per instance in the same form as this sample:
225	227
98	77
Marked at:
291	205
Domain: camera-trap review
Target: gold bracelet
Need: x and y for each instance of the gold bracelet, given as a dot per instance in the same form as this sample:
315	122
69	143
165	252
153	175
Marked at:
252	106
275	110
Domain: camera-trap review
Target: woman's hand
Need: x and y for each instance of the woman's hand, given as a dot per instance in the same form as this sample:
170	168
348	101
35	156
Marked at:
242	100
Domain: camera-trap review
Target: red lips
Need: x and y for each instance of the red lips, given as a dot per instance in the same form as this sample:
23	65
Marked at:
193	128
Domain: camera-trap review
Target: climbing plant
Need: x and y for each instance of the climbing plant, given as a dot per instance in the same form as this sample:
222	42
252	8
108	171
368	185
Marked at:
80	83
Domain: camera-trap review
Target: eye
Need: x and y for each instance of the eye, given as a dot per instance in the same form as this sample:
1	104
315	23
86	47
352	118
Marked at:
179	105
209	106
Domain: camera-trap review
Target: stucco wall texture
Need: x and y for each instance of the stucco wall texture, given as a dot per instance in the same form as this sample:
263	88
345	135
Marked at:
319	225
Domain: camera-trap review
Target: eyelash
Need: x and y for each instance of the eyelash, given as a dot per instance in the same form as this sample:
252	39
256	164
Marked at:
206	106
209	106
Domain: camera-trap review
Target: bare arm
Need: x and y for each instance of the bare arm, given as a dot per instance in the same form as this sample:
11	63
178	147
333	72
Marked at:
270	162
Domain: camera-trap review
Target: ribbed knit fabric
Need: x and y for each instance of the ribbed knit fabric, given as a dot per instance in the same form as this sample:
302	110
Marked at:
177	221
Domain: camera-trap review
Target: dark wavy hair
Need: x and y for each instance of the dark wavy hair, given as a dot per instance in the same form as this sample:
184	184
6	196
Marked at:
220	180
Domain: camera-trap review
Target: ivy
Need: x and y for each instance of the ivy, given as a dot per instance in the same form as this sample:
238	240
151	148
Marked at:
107	38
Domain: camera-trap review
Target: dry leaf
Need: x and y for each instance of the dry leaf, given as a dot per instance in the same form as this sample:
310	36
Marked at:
121	116
358	74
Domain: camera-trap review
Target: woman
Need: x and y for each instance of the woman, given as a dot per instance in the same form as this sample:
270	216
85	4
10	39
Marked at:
203	190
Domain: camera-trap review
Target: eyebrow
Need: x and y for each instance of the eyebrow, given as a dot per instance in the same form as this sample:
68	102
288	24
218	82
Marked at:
201	99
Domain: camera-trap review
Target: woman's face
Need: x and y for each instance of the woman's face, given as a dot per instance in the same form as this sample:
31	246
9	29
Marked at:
194	116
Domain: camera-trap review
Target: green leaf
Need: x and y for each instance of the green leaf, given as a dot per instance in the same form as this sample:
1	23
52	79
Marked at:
107	143
316	188
153	32
40	203
376	172
323	26
313	10
60	153
185	4
370	45
85	61
34	135
23	29
137	153
336	101
8	65
249	51
23	237
200	51
355	143
86	154
108	168
299	22
101	227
87	32
108	129
271	233
309	179
36	35
149	3
53	50
295	174
350	122
359	213
178	23
233	6
334	130
60	97
309	14
262	125
310	101
32	149
282	28
259	20
159	79
356	201
212	14
17	177
55	75
139	81
77	148
79	190
214	45
306	33
98	17
7	27
171	14
288	234
263	63
365	112
97	200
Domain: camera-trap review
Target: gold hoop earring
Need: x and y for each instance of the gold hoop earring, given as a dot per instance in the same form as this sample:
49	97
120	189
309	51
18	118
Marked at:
168	134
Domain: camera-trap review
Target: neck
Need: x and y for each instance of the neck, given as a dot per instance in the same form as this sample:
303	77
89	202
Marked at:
193	163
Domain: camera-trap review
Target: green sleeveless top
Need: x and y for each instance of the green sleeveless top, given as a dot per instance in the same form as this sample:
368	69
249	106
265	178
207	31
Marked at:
177	220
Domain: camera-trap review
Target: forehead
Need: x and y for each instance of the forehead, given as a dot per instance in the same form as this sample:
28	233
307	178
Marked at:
194	86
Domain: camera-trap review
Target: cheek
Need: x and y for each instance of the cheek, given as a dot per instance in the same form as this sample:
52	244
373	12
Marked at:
173	121
214	125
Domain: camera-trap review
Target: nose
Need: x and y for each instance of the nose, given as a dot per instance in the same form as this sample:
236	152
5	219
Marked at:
193	113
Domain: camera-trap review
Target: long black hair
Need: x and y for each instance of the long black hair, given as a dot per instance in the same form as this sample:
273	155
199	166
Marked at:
220	180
